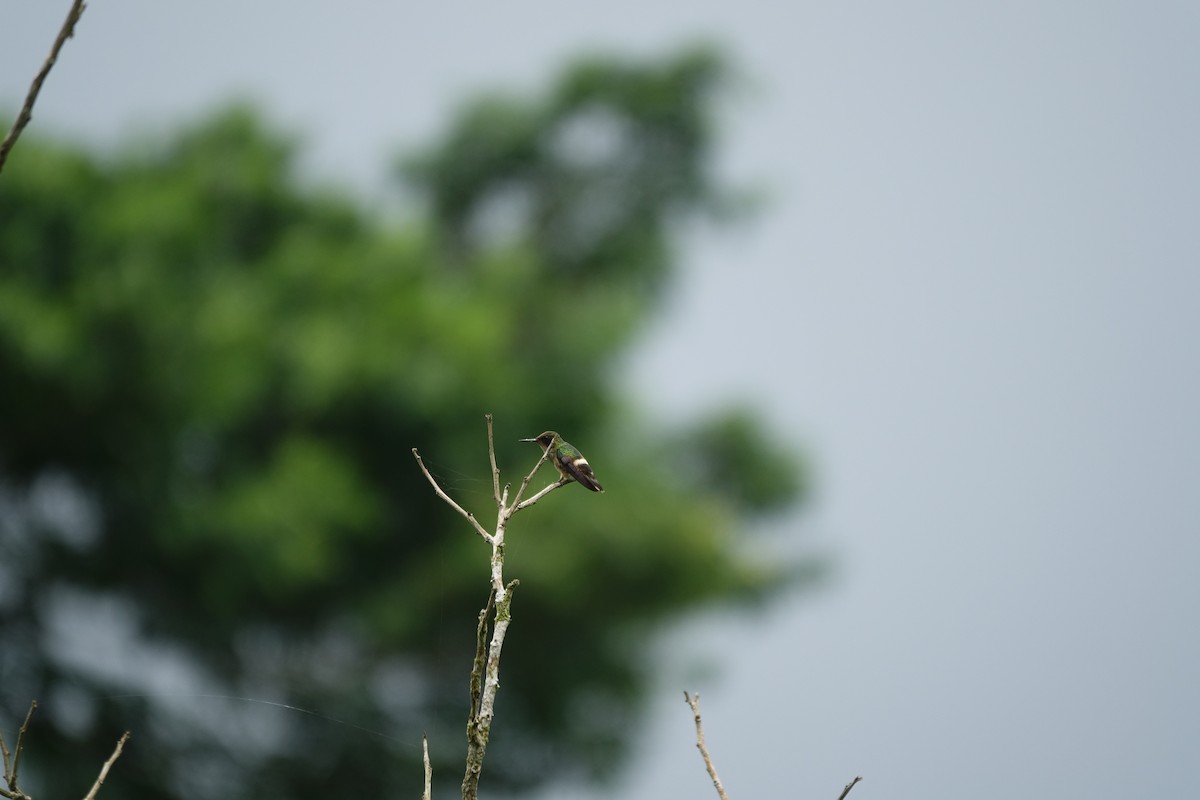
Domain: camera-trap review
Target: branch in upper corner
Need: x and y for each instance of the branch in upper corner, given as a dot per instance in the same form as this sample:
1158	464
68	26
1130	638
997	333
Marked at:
694	702
107	766
26	114
849	786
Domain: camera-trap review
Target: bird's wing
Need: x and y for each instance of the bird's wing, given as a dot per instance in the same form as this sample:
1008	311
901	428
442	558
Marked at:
578	468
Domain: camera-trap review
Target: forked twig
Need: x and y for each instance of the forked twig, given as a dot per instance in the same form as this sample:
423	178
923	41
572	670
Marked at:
694	702
517	504
12	762
849	786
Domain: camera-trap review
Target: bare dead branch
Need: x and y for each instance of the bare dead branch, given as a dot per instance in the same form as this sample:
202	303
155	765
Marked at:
495	469
428	793
849	786
26	113
485	669
480	662
487	537
558	484
107	766
12	762
694	702
16	761
517	504
479	725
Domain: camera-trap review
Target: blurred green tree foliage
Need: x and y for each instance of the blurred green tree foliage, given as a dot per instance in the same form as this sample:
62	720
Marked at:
211	375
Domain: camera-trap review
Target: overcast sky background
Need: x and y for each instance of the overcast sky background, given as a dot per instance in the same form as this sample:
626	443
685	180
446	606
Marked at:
973	298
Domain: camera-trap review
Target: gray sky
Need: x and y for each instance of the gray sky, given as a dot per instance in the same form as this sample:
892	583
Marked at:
973	297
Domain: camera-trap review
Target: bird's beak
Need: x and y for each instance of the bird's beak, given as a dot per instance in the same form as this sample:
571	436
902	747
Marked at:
526	440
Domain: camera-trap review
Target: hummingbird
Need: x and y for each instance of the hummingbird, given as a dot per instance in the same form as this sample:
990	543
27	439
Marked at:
569	462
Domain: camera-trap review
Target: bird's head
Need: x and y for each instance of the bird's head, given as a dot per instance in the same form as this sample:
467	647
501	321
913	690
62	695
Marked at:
546	440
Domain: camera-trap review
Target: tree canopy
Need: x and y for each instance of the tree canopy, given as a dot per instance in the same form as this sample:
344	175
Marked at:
213	374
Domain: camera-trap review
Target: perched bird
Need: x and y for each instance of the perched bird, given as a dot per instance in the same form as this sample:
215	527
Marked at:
569	462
